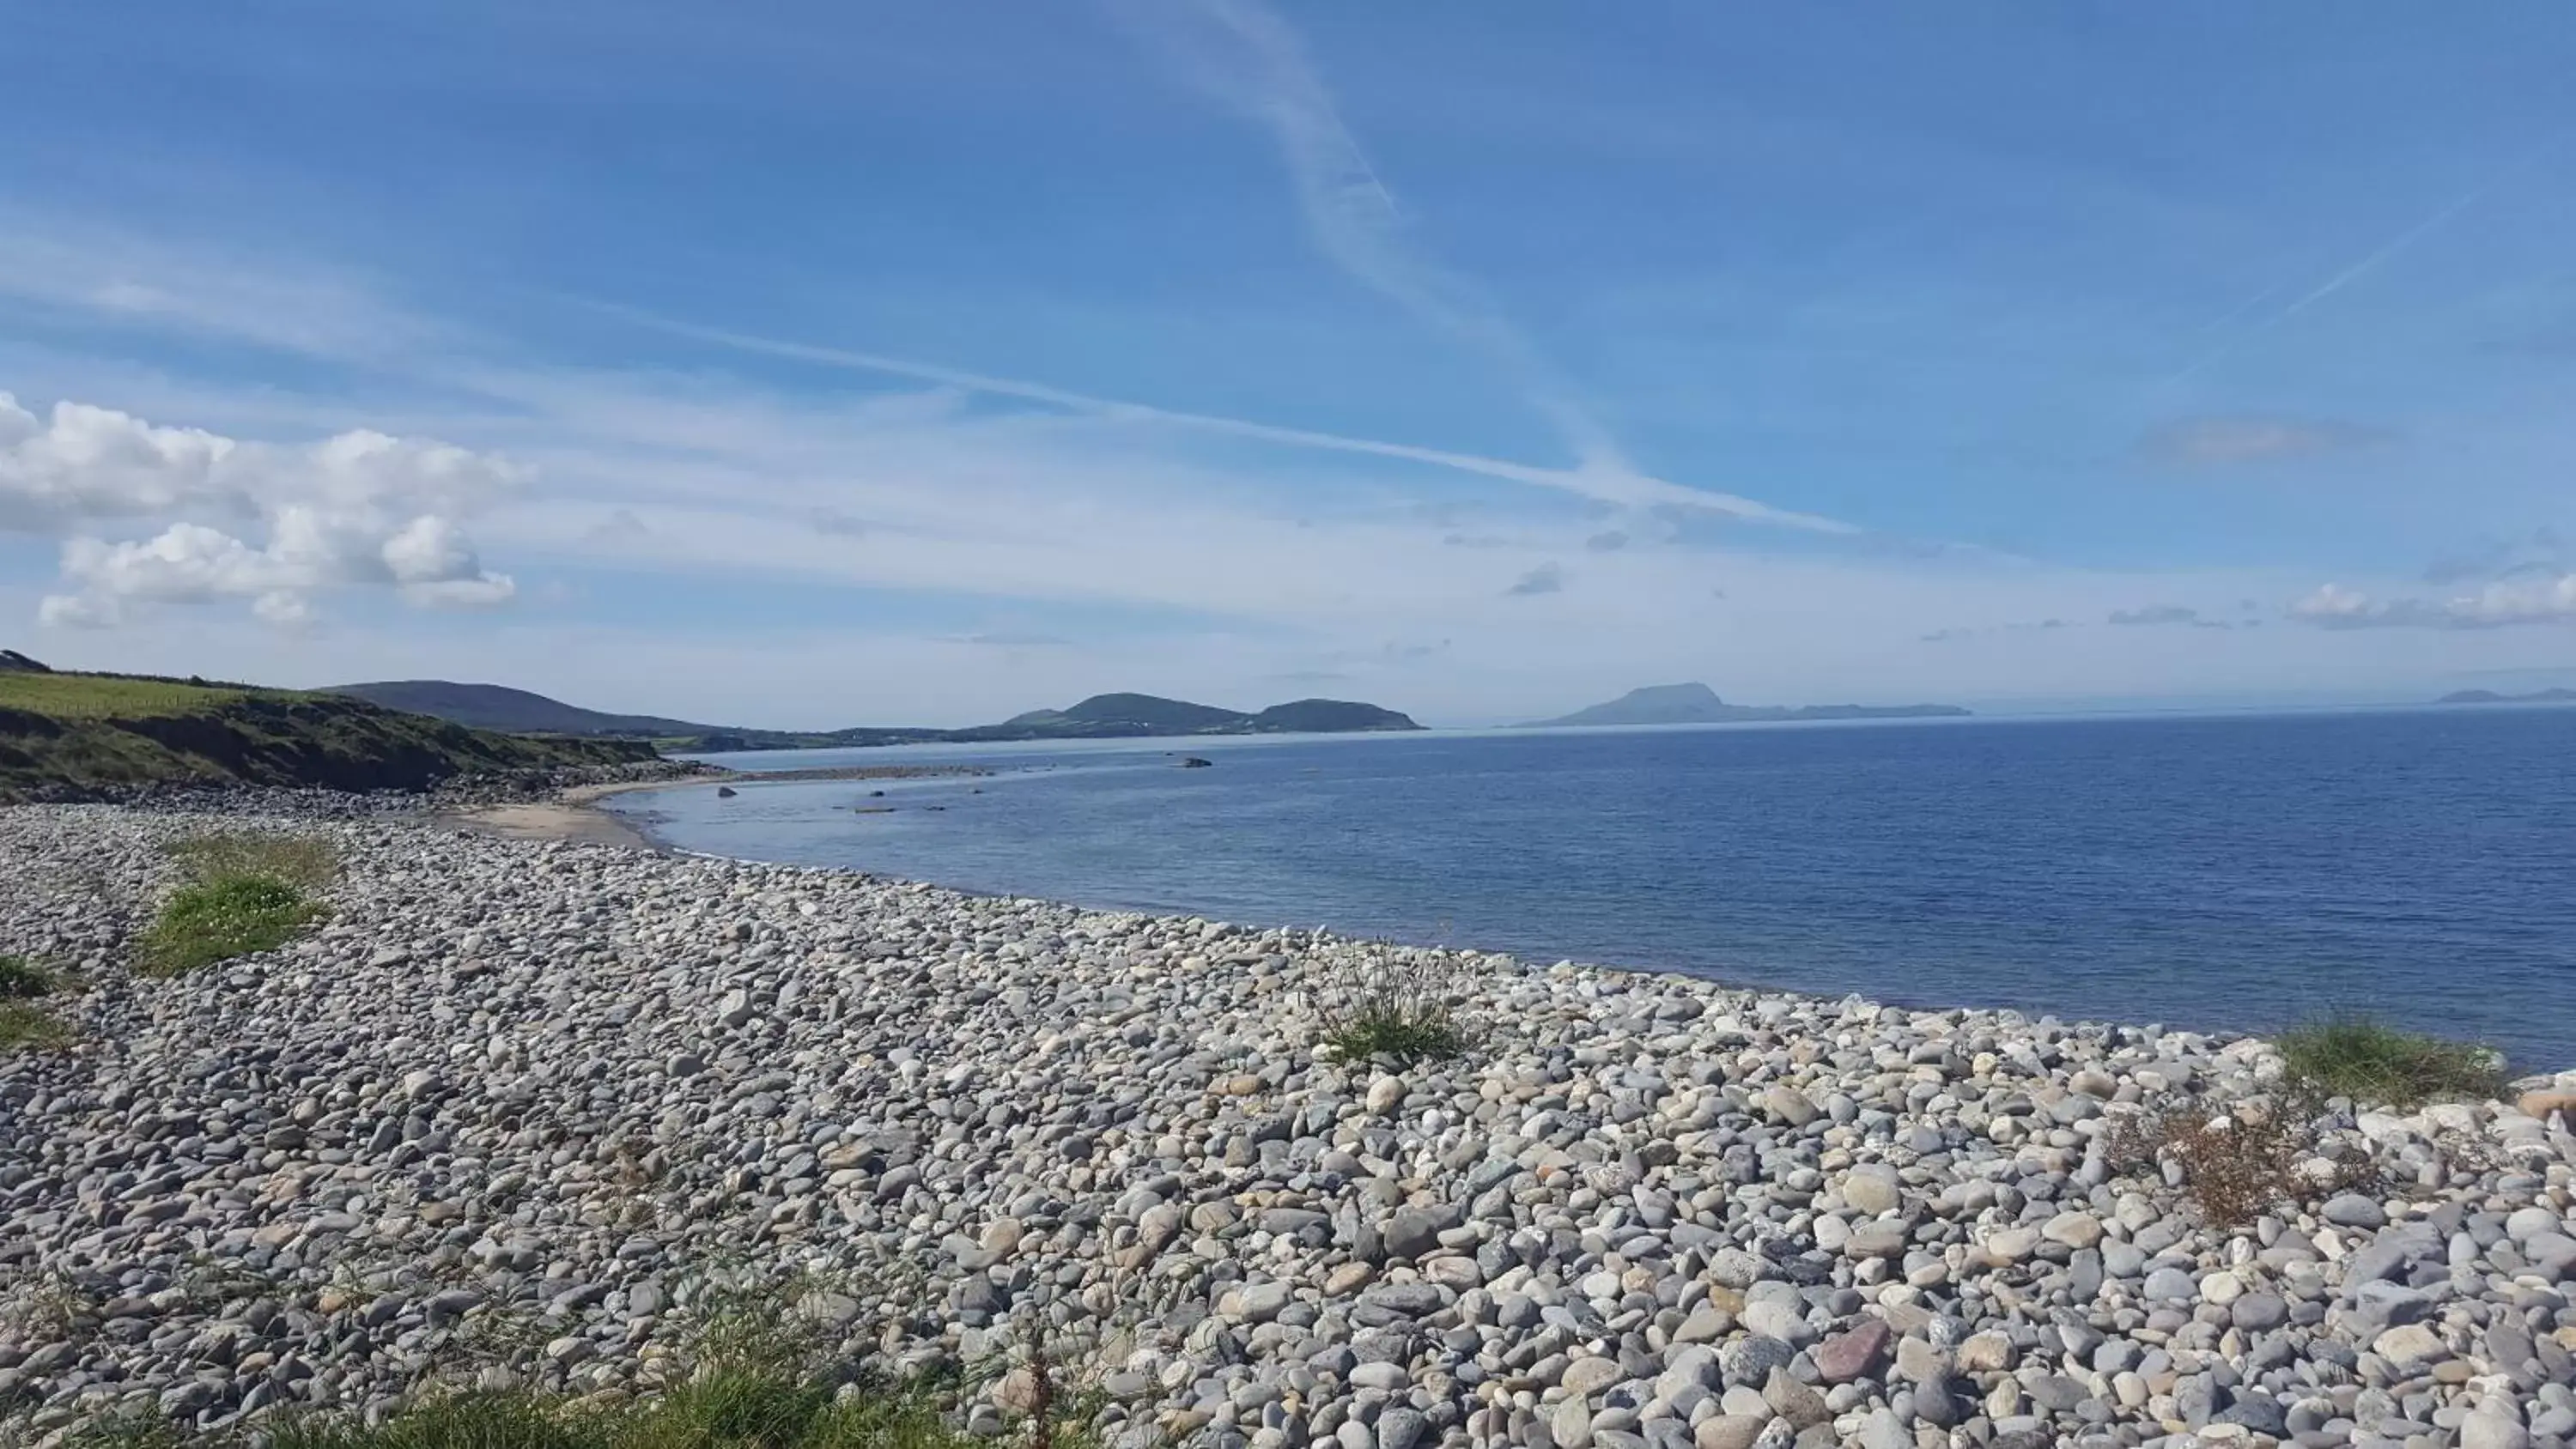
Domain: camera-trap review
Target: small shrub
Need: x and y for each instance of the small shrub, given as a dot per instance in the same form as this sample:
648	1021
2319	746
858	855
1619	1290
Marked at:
24	1026
24	980
301	861
219	919
2371	1061
1397	1007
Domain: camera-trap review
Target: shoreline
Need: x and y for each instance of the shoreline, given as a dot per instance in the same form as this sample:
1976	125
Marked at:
574	815
574	812
526	1093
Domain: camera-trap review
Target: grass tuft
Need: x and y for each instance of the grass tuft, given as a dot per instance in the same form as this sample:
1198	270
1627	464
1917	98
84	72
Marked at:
220	919
24	980
25	1026
248	893
765	1379
1396	1009
2373	1062
302	861
723	1409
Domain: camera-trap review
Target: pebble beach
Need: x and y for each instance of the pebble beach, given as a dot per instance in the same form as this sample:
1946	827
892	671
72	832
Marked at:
522	1109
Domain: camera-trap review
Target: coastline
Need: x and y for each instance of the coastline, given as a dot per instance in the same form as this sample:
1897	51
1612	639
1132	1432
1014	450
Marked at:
1634	1200
574	813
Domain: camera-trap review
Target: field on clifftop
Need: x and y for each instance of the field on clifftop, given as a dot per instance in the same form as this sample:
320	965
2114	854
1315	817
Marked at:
70	735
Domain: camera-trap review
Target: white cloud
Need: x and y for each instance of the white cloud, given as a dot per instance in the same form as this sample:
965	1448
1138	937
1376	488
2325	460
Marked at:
357	509
2503	603
83	462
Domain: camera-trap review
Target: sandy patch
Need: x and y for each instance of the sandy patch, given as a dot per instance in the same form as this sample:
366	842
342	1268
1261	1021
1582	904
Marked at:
559	821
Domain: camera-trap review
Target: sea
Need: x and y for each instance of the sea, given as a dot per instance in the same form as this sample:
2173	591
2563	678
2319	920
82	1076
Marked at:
2228	872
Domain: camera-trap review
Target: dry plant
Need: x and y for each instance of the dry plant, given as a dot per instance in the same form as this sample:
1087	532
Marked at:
2237	1161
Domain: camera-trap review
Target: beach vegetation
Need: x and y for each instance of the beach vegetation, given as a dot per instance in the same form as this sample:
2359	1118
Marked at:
2368	1061
306	862
24	1025
1394	1007
25	980
720	1408
764	1377
244	893
2236	1162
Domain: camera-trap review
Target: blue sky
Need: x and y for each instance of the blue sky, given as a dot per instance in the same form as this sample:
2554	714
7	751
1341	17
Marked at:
816	364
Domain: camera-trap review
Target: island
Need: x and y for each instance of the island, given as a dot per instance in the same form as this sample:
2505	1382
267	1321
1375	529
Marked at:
1120	716
1679	704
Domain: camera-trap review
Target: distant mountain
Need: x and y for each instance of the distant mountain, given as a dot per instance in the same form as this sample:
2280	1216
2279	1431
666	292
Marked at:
1674	704
2489	696
1129	716
11	659
1103	716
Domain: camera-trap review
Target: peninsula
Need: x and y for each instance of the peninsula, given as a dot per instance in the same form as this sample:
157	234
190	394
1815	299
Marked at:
1102	716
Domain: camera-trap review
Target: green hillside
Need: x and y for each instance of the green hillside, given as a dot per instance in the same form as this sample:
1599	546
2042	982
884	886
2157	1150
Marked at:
69	734
499	707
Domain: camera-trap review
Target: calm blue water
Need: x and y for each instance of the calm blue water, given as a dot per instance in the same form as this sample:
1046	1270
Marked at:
2213	872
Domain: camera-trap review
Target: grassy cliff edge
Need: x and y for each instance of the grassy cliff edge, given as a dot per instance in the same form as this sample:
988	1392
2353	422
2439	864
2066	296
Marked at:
68	735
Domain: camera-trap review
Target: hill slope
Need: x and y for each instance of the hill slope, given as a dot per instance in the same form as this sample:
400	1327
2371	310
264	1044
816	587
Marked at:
69	735
1673	704
499	707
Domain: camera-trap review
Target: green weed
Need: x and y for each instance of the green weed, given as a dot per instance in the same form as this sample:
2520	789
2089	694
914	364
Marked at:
220	919
24	980
1395	1007
2370	1061
25	1026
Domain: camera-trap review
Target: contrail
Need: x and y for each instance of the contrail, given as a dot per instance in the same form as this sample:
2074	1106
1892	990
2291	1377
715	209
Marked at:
1609	485
1245	57
2371	261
